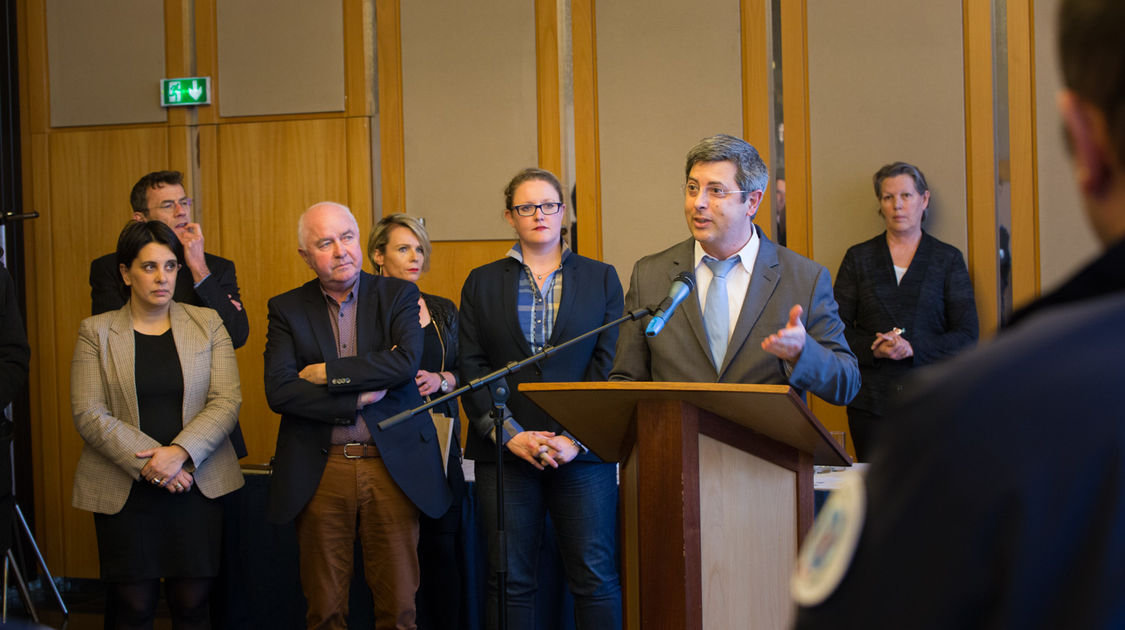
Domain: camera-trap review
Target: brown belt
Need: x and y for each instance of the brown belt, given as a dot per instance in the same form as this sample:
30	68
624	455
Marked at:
354	450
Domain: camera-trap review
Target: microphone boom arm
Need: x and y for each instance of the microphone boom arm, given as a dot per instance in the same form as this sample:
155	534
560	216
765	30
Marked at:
510	368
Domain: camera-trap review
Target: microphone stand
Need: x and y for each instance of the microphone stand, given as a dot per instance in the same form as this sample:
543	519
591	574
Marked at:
498	390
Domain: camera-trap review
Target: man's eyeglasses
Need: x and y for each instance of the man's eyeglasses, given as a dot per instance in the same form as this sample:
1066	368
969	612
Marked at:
528	209
718	192
172	203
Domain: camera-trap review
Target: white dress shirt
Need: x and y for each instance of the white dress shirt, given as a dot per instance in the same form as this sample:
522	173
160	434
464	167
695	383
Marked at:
738	279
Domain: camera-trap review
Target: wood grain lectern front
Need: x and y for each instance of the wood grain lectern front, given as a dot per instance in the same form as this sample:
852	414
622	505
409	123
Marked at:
716	493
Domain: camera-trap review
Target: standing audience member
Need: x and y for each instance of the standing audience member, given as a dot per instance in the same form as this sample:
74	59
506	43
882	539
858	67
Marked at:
400	248
15	357
764	314
209	280
996	495
342	353
155	394
905	299
542	294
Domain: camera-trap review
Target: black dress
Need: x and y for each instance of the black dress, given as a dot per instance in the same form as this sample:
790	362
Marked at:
439	594
157	533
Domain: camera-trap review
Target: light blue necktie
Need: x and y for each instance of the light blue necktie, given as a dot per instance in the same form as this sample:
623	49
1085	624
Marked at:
716	310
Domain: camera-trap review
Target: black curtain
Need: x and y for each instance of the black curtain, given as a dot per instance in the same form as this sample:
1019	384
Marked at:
11	202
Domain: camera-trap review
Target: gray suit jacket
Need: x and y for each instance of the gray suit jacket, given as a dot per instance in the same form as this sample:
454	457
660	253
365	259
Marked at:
781	278
103	398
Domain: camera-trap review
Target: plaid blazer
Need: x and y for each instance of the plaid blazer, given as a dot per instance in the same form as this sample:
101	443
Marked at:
103	398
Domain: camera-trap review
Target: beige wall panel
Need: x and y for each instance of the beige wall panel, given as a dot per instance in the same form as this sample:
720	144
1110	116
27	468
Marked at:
469	103
105	61
1066	240
451	262
268	174
91	174
746	553
669	73
885	83
280	56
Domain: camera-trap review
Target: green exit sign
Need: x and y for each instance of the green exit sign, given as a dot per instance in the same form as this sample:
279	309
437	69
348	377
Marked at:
185	91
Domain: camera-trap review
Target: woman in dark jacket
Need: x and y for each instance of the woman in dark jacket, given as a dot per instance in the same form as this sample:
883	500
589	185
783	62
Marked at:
905	299
541	294
400	248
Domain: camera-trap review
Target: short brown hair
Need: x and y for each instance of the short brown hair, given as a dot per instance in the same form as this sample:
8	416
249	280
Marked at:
1093	59
157	179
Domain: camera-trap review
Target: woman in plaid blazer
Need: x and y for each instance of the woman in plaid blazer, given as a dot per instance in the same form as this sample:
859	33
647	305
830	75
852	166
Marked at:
155	394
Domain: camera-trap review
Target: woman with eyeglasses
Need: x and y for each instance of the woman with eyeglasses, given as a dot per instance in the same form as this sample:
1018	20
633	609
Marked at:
542	294
400	248
905	299
155	394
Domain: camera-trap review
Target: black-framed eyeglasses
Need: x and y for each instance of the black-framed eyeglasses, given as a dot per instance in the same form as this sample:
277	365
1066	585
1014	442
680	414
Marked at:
528	209
171	204
691	189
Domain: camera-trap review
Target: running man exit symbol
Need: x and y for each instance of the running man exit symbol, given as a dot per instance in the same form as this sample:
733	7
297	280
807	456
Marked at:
185	91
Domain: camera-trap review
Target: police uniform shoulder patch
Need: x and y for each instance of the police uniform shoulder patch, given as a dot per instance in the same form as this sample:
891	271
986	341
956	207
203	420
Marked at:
830	546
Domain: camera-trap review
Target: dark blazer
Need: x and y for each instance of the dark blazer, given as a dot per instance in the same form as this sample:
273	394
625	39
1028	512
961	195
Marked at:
491	338
218	291
15	354
444	313
1006	541
1103	276
389	347
781	278
934	304
109	293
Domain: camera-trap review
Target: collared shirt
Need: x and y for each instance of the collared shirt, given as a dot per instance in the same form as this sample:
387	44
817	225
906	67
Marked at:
738	278
343	318
537	308
536	311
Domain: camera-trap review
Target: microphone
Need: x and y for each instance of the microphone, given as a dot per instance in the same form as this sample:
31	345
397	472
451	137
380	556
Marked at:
682	286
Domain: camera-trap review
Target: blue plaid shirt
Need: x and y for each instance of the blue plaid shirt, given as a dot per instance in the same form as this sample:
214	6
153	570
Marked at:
536	311
537	308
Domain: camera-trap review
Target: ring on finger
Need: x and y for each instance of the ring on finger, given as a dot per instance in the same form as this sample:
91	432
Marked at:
179	486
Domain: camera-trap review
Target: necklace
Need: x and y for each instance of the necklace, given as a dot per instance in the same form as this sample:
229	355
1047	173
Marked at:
539	276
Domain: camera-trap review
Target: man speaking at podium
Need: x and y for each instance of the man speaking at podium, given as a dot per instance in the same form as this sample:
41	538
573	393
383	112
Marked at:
761	313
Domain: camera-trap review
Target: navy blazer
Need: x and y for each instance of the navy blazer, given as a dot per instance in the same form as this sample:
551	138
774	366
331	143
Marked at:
491	338
934	304
218	291
389	348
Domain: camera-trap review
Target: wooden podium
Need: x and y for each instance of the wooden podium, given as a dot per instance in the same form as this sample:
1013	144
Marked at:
716	493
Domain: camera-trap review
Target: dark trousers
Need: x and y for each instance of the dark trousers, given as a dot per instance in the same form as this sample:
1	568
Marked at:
581	498
864	427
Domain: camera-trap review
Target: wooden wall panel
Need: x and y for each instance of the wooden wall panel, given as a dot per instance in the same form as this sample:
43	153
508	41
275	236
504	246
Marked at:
980	163
1023	149
89	178
452	262
269	173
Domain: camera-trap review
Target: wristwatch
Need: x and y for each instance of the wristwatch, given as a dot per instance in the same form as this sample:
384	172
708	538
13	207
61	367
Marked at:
444	384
